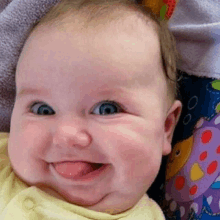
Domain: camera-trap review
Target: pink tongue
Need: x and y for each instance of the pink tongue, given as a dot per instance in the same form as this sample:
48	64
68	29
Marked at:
73	169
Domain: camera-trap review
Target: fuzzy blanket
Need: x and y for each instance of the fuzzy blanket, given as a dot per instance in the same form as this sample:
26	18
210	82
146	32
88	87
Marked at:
16	20
196	27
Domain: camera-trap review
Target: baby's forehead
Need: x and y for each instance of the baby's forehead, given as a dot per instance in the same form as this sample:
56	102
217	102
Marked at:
120	19
129	27
127	41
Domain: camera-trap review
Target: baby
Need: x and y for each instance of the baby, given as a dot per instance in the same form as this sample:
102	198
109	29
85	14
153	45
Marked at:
95	111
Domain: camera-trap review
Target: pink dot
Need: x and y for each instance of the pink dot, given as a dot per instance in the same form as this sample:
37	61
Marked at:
203	155
193	190
206	136
212	167
180	182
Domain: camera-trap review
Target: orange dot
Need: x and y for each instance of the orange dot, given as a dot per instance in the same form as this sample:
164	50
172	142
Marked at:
203	155
212	167
206	136
180	182
193	190
218	150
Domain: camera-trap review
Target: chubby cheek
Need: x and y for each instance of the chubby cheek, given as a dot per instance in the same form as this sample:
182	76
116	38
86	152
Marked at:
138	164
135	151
27	145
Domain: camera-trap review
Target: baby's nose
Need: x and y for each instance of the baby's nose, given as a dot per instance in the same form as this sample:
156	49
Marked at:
71	136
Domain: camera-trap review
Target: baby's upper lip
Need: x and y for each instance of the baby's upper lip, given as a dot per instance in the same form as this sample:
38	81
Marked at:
77	160
69	158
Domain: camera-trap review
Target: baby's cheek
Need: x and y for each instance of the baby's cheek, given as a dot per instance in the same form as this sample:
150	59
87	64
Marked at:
26	151
134	152
33	136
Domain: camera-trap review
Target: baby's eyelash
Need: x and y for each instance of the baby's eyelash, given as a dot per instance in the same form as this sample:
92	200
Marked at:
112	102
30	106
121	106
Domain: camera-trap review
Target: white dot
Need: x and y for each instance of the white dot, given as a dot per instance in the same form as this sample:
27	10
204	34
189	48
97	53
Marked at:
217	179
187	119
217	120
182	211
219	204
192	102
195	207
209	200
173	206
167	197
200	123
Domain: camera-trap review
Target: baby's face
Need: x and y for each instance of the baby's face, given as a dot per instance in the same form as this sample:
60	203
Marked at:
88	123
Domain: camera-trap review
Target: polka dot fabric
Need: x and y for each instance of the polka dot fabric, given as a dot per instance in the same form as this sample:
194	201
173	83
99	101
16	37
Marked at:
192	189
201	99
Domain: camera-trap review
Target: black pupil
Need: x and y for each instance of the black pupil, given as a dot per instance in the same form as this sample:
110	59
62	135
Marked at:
43	110
107	109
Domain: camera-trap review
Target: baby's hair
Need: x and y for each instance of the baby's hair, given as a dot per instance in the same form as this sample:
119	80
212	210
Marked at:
102	12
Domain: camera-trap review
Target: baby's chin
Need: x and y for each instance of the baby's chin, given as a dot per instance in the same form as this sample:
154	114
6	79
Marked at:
75	201
101	205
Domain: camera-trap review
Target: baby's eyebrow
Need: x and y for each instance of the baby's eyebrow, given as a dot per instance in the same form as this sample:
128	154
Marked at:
31	91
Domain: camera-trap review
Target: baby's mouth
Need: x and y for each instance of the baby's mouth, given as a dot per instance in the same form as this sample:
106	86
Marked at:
75	170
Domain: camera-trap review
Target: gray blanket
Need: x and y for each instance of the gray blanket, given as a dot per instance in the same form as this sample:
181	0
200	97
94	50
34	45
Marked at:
16	20
196	27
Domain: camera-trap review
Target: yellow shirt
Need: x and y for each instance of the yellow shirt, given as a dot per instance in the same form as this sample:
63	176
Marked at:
18	201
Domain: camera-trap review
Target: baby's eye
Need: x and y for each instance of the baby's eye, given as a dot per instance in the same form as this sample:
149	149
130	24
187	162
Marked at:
42	109
107	108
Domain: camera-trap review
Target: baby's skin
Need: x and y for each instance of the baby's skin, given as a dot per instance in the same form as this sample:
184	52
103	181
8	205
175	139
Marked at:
92	116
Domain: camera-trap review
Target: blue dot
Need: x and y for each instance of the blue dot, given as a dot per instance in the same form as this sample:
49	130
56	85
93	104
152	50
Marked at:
192	102
187	119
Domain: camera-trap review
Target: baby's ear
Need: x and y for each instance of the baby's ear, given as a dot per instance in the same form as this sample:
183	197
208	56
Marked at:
172	118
